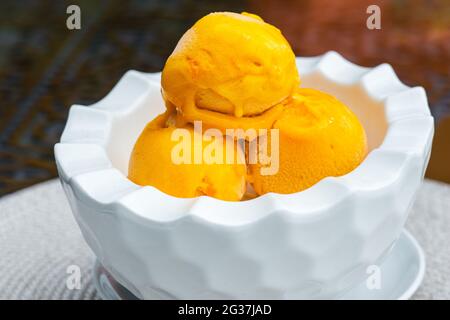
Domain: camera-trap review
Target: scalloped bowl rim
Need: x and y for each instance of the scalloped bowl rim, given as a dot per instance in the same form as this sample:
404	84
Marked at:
238	213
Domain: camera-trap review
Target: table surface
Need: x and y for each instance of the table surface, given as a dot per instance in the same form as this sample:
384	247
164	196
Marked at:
39	240
45	68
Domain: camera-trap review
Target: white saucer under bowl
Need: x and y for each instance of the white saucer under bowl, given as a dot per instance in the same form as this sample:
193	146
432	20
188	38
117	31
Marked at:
401	274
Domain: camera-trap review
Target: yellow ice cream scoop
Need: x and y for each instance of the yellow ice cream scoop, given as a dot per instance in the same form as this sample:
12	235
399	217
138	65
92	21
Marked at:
318	136
186	163
230	68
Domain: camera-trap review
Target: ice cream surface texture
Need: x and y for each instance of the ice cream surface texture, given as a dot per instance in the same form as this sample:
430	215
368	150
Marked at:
318	137
156	160
230	66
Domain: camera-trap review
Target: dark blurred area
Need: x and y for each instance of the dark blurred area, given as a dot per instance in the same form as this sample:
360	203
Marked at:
45	68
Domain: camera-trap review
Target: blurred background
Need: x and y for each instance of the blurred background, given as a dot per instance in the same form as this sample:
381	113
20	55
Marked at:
45	68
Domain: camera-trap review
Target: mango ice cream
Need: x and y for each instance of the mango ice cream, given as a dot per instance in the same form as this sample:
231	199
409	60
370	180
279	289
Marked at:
318	137
228	70
234	71
157	160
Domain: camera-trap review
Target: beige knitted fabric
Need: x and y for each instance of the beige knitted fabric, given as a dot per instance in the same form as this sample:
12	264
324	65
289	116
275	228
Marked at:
39	241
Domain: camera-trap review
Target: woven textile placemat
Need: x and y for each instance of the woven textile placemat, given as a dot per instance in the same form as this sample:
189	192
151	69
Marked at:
40	240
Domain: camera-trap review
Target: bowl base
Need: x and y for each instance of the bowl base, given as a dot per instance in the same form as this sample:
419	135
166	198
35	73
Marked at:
401	273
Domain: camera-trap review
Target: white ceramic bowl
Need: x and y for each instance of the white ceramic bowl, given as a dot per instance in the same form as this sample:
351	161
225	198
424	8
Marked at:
313	244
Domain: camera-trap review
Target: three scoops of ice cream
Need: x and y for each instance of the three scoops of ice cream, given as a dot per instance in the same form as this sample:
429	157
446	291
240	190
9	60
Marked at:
235	73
